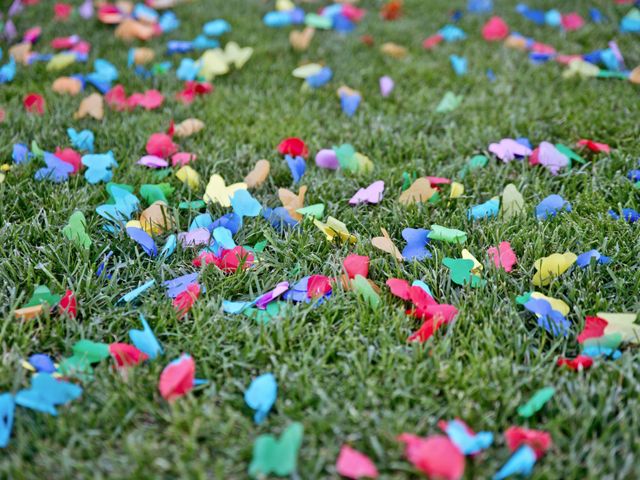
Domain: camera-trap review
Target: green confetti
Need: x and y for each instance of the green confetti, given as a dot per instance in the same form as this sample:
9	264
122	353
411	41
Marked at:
75	230
535	403
362	286
315	211
41	295
445	234
277	456
460	272
449	102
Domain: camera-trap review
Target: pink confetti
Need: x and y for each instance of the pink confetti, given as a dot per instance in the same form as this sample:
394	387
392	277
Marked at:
371	194
503	256
353	464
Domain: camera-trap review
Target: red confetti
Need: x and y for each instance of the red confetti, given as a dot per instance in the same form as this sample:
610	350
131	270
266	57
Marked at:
356	265
594	146
436	456
177	378
593	328
581	362
126	355
399	288
318	286
62	11
185	300
432	41
193	89
368	40
534	158
68	304
34	103
293	146
161	145
391	10
234	259
537	439
116	98
70	156
495	29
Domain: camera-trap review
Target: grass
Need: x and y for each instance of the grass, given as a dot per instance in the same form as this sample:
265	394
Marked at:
346	372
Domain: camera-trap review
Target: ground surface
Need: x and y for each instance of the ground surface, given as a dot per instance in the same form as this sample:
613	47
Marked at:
346	372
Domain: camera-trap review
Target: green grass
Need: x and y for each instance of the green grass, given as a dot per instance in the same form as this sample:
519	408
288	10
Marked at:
346	372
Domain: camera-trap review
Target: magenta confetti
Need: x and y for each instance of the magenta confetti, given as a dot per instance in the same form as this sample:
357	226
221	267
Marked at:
268	297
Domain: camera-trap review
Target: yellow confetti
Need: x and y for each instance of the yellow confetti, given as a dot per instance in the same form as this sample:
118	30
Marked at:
218	192
335	228
189	176
551	267
457	190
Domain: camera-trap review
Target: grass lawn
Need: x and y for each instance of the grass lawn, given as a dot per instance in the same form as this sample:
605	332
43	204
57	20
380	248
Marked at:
344	370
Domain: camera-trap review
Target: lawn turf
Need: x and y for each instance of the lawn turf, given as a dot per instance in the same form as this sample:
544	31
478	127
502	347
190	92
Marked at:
345	371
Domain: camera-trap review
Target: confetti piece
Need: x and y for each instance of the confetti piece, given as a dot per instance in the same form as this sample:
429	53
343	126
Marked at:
261	395
34	103
46	392
177	378
450	101
551	206
99	166
188	127
420	191
578	364
300	40
297	167
189	176
276	456
258	175
7	408
145	341
512	202
386	86
56	170
353	464
218	192
385	244
495	30
75	230
372	194
67	85
536	402
417	240
334	228
503	256
445	234
460	272
584	259
508	149
484	210
520	463
538	440
136	292
126	355
467	441
435	456
185	299
548	268
364	289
